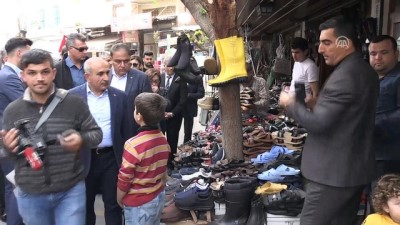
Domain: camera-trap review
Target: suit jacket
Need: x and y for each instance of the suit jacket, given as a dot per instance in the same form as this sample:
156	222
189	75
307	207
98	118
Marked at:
137	82
338	150
195	92
11	88
121	129
176	94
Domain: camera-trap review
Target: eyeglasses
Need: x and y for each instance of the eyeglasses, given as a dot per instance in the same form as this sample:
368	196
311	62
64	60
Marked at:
118	61
135	64
81	49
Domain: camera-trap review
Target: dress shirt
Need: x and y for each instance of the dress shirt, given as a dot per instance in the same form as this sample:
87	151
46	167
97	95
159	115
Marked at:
77	74
168	80
99	106
118	82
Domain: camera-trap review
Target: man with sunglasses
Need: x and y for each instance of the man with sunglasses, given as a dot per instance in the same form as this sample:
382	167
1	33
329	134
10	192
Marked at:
70	69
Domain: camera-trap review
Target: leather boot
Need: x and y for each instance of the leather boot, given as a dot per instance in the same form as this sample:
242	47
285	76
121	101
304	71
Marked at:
238	194
175	58
194	68
186	53
257	214
188	77
232	58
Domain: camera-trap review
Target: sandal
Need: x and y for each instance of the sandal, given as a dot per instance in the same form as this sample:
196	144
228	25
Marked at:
270	188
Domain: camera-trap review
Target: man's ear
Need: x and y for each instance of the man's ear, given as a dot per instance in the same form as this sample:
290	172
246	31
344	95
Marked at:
86	76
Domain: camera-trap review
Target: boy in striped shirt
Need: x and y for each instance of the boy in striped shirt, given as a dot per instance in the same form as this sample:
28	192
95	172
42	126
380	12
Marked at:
141	178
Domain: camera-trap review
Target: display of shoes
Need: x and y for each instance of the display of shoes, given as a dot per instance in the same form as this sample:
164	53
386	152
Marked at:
195	199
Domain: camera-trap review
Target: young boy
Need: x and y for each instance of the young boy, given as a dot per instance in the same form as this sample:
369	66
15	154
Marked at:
386	201
141	179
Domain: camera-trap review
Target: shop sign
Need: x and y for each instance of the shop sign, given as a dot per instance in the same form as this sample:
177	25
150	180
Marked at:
139	21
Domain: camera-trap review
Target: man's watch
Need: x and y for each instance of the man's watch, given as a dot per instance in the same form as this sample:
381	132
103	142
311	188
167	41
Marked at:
172	114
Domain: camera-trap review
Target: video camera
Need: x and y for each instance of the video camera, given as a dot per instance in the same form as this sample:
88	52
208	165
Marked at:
31	145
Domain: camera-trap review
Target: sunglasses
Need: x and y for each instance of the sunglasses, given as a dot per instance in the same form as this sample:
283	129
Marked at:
81	49
135	64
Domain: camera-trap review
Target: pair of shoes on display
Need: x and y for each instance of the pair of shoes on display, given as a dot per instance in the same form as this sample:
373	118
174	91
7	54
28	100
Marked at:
287	202
195	199
282	173
232	61
271	155
185	65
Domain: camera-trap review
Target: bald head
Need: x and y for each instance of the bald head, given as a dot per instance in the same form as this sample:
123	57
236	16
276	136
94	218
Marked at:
97	74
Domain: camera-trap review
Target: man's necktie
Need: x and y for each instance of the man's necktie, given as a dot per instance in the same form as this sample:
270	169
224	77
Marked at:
168	82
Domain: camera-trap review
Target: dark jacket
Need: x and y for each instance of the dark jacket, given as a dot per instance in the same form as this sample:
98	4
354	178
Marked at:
62	169
338	151
137	82
195	92
63	77
176	94
121	129
387	120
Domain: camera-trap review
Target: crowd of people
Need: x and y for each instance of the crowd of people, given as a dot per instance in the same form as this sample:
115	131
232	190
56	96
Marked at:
85	126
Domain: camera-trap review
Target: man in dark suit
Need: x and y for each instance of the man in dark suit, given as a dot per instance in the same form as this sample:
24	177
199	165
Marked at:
70	68
338	159
176	92
131	81
11	88
195	92
383	57
108	107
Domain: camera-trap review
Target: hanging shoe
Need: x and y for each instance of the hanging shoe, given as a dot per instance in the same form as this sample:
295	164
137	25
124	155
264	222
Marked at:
175	58
232	58
188	77
210	66
186	53
206	103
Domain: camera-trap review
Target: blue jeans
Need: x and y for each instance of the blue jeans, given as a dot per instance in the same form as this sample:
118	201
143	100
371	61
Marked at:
146	214
68	207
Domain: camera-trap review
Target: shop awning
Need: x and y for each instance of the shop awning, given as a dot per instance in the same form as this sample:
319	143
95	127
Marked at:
265	17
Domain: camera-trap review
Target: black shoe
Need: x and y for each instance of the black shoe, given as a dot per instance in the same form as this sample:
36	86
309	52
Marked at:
189	77
186	53
175	58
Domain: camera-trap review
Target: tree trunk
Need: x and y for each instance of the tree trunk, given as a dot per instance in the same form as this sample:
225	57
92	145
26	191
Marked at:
196	7
222	18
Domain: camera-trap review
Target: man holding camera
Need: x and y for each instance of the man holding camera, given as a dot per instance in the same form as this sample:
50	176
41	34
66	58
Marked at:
49	177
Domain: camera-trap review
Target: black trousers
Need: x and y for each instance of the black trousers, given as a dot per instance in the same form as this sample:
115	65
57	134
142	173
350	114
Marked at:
102	178
173	125
327	205
188	126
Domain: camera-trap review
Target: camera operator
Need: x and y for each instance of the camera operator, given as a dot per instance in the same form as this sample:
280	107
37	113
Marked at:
53	193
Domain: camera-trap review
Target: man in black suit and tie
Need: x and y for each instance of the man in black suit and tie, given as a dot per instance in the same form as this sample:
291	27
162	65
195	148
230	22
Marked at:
176	92
108	107
127	79
338	159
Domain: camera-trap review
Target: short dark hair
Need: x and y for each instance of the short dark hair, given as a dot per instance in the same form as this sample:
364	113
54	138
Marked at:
342	27
300	43
151	106
387	187
18	42
71	38
148	53
384	37
35	56
118	47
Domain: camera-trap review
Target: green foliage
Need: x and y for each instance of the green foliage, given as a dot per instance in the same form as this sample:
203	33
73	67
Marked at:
203	11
